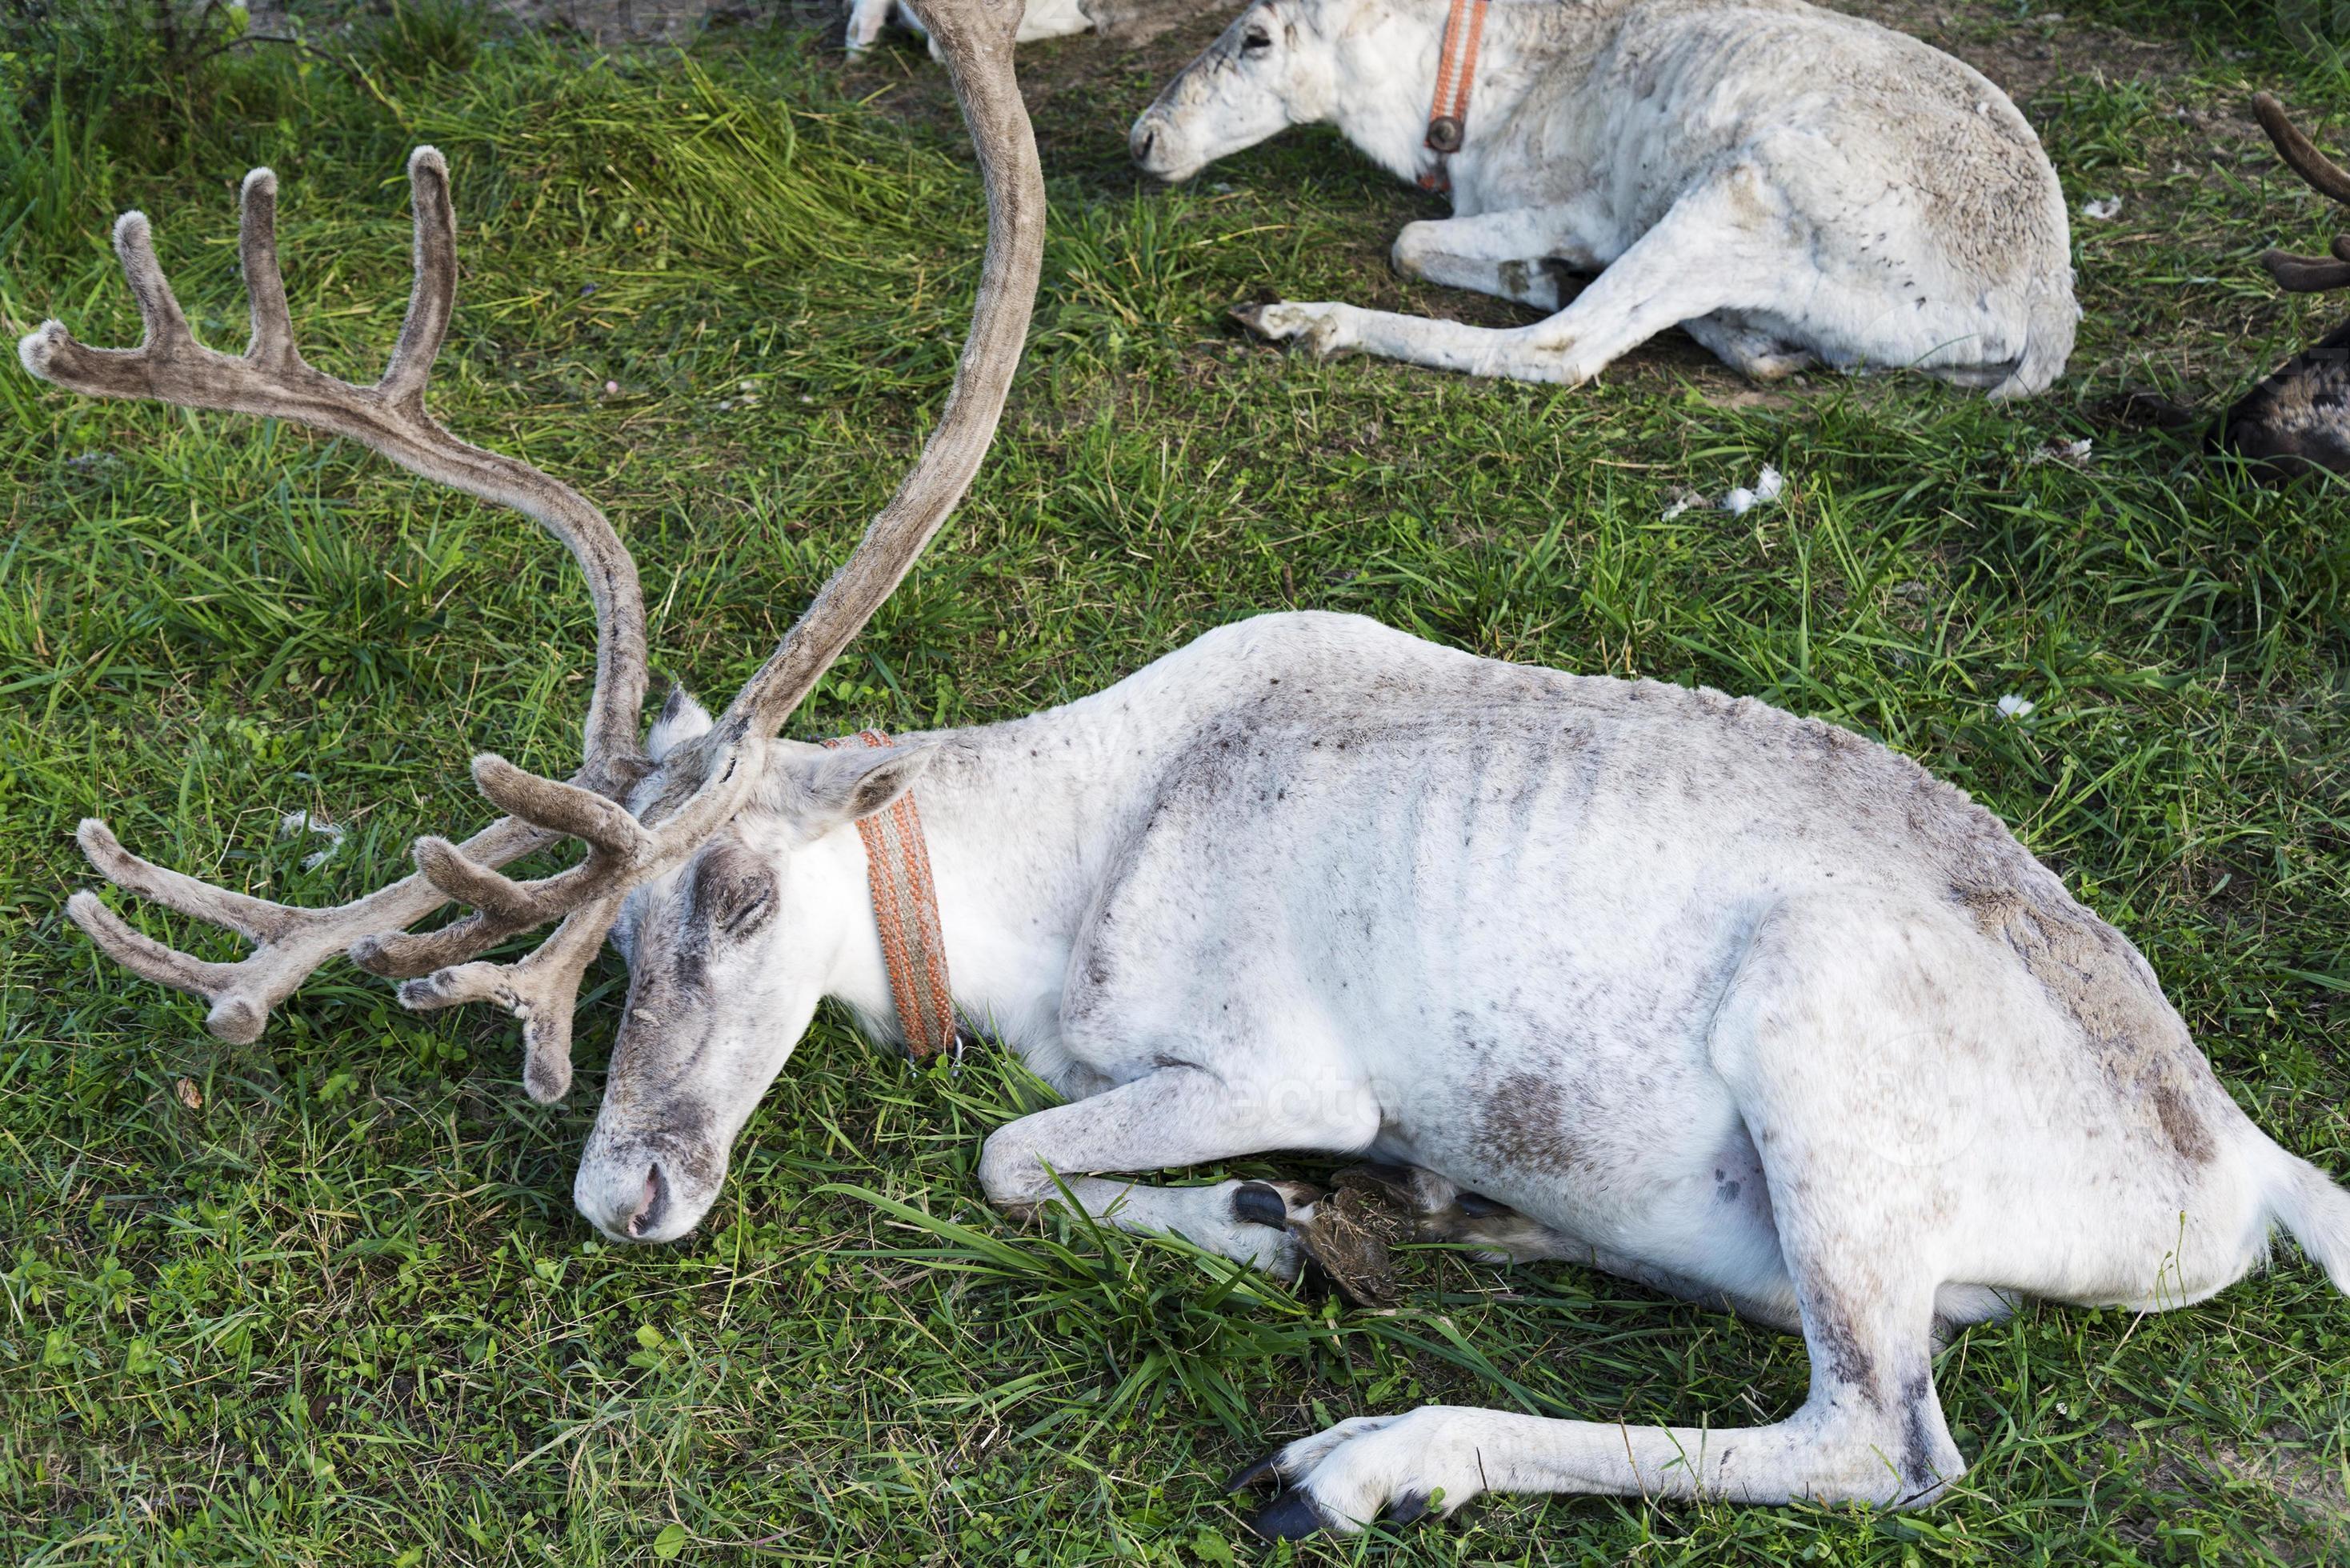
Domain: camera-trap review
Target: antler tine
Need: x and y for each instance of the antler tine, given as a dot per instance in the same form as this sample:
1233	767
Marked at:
2300	274
52	353
616	843
433	298
503	906
270	378
158	308
542	990
2301	155
255	920
272	343
234	1014
2307	275
704	781
290	941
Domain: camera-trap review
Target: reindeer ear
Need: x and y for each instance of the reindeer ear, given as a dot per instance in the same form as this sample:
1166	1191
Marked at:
819	790
682	718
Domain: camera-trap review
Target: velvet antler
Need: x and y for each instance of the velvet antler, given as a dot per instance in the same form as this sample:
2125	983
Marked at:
698	786
2299	273
270	378
703	782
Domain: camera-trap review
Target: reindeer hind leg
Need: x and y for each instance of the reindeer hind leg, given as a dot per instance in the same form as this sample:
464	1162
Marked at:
1816	997
1871	1429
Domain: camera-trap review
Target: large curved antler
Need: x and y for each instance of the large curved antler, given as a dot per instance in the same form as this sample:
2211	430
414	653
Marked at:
2299	273
270	378
701	783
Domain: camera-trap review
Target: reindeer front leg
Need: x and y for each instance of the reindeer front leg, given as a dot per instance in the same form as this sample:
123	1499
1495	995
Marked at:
1517	254
1179	1116
1716	249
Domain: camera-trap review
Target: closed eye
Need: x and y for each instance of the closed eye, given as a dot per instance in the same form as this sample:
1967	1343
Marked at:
1256	39
742	922
733	890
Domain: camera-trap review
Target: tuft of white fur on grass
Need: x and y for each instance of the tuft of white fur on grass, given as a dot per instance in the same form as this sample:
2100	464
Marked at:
1768	487
294	822
2071	453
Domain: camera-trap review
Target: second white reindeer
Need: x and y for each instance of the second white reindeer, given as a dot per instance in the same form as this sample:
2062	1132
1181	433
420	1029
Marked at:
1786	183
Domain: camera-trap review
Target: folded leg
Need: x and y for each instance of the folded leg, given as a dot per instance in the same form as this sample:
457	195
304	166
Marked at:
1176	1117
1722	245
1751	352
1521	254
1872	1430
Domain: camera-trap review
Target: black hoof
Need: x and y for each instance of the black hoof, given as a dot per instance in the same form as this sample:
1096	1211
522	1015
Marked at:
1256	1474
1477	1206
1407	1508
1259	1205
1290	1517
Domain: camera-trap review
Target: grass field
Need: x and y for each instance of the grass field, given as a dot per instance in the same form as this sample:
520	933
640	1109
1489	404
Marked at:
323	1298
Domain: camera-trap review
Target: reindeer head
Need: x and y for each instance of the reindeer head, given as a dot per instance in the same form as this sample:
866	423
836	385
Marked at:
2299	419
665	825
728	956
1270	70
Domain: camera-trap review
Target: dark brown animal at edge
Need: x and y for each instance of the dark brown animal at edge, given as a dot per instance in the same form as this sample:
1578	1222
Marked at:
2298	421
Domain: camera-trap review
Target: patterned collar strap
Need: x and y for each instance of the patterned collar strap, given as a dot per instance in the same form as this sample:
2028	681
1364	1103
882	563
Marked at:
1456	70
906	909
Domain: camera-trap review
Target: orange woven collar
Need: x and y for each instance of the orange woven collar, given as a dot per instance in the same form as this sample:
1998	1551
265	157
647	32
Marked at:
1456	69
906	909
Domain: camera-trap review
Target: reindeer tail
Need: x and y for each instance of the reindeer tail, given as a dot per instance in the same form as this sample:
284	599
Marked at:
2307	1202
2049	323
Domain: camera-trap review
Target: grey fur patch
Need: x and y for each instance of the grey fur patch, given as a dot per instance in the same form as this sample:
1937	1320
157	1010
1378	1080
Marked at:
1521	1126
1918	1467
1833	1340
2090	971
2182	1122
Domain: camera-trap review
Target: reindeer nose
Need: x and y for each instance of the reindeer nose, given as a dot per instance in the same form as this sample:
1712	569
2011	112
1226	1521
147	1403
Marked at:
626	1195
647	1189
1145	137
651	1204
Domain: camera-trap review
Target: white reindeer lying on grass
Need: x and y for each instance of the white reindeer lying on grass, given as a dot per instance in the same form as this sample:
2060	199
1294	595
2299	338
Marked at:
1784	182
1737	1004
